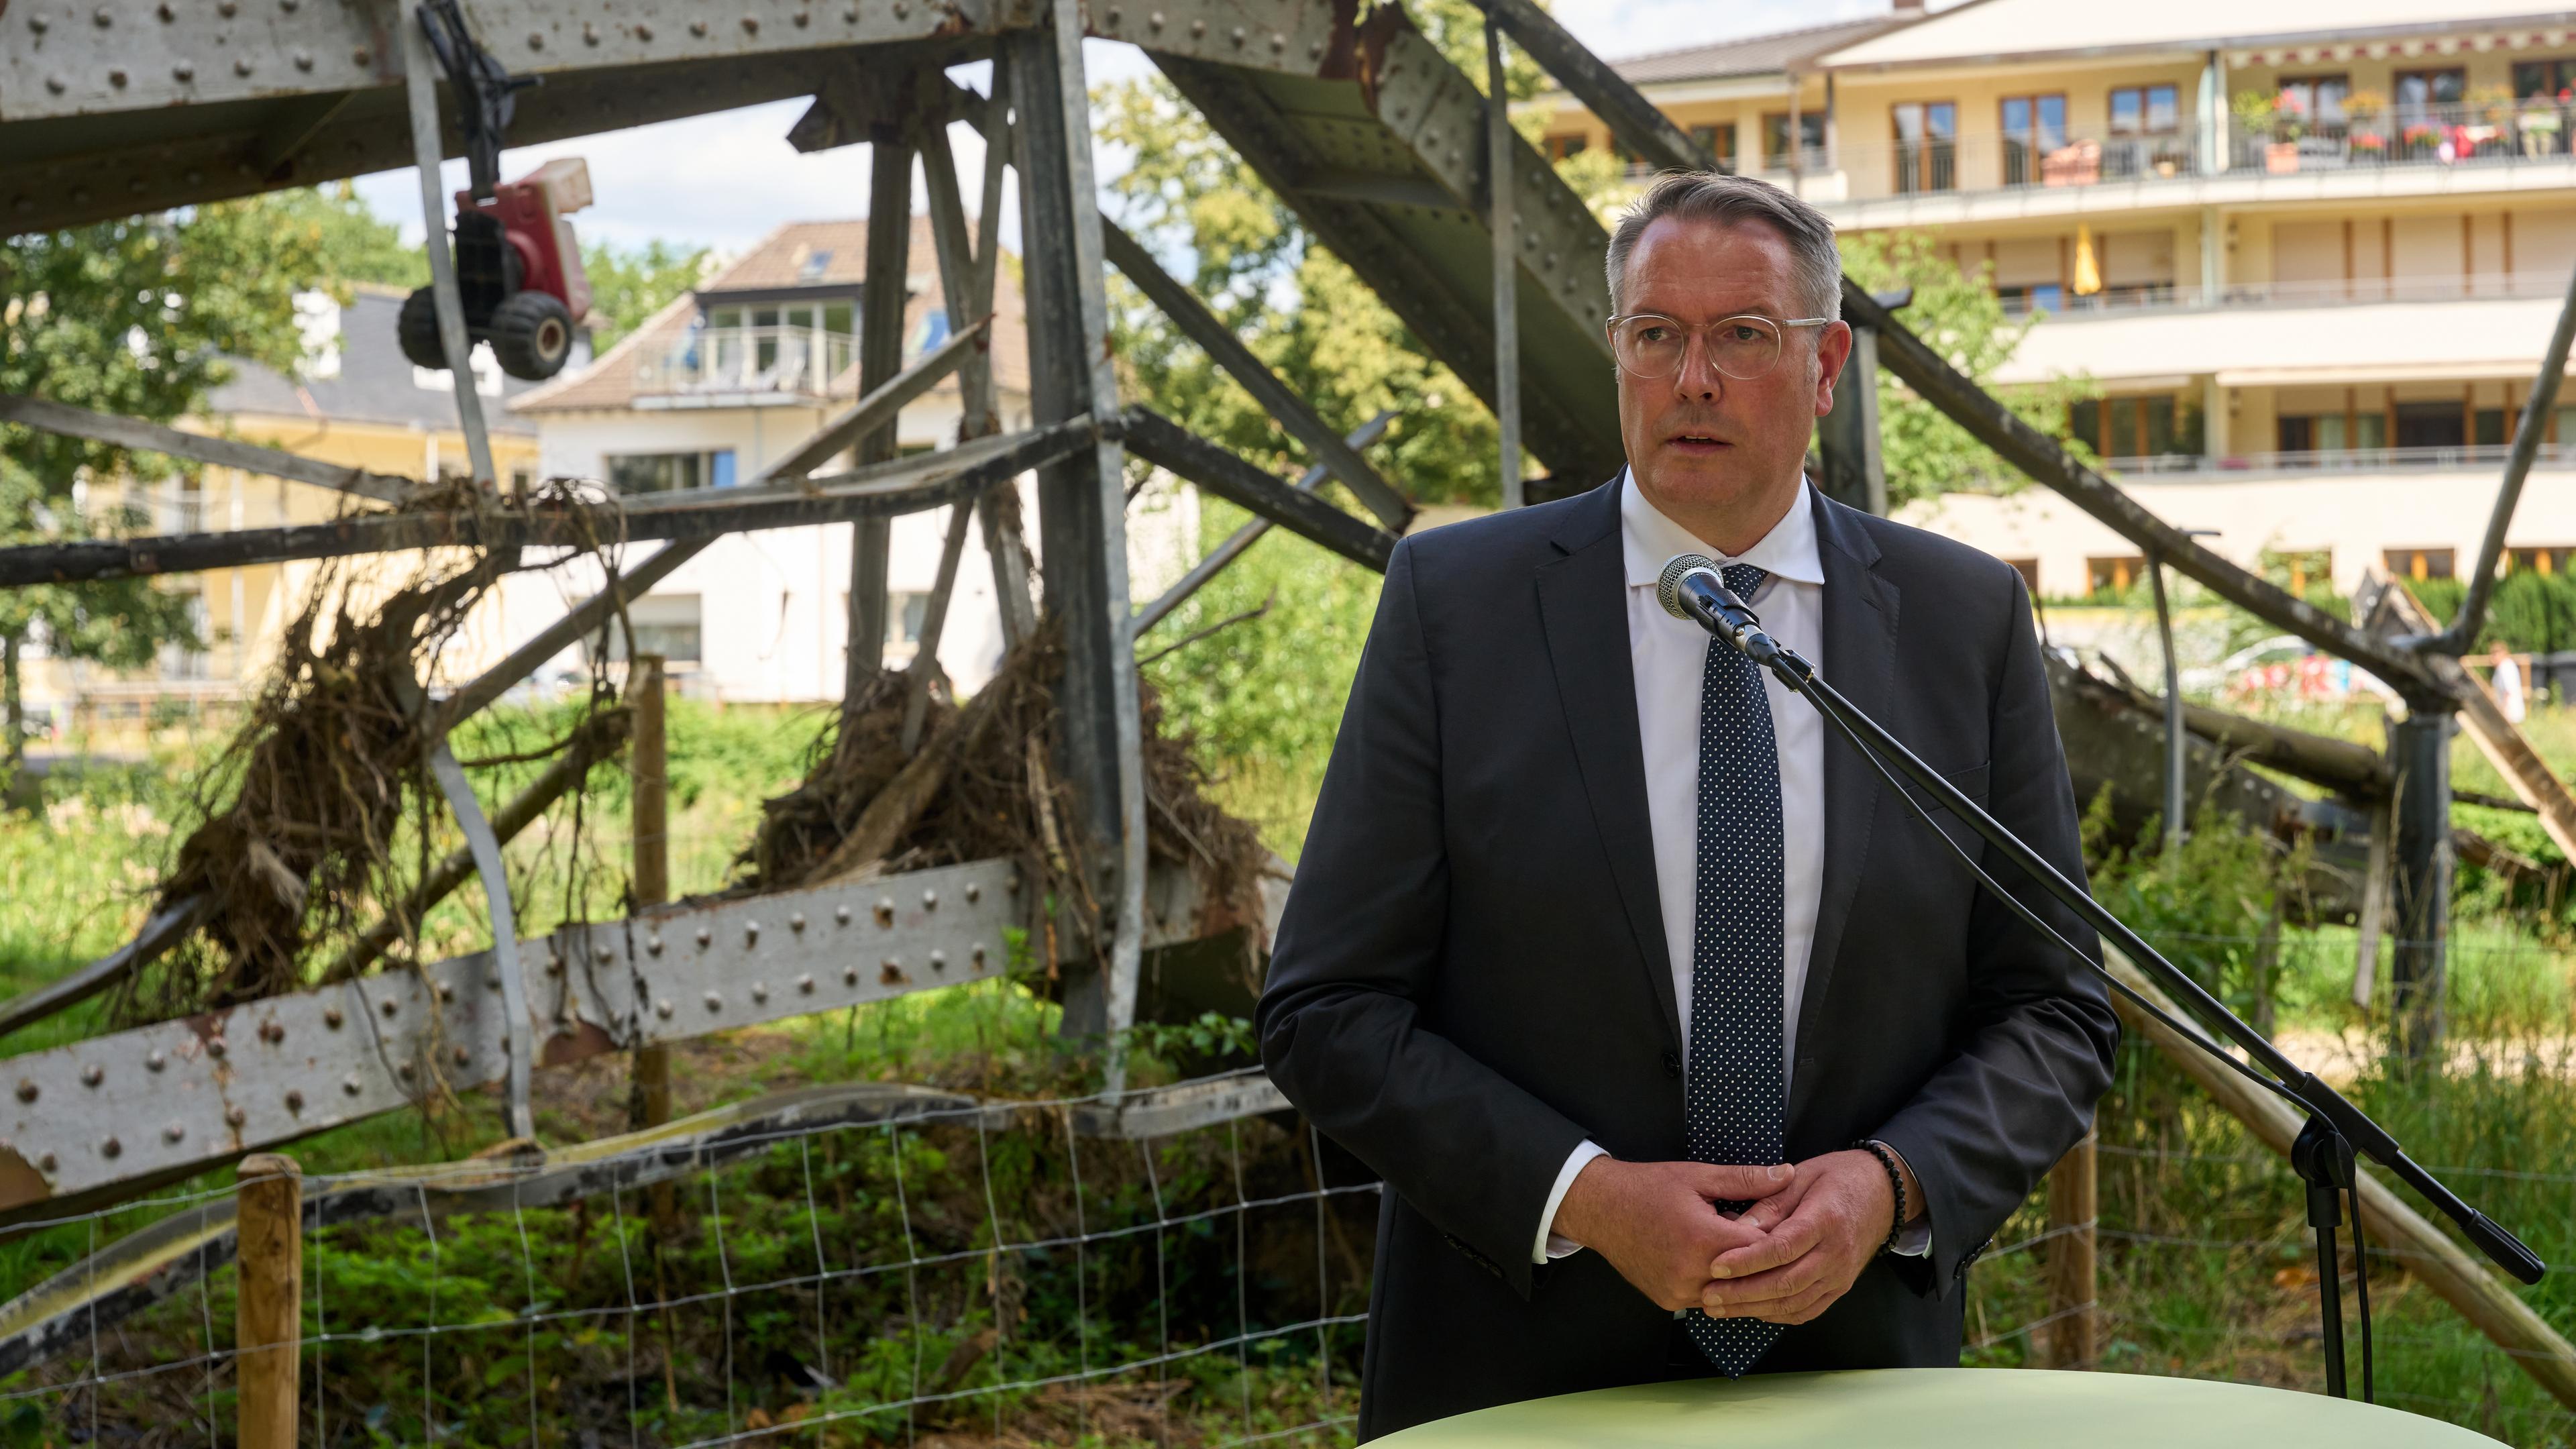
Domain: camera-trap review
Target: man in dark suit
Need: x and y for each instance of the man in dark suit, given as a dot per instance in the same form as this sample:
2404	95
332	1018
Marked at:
1682	1046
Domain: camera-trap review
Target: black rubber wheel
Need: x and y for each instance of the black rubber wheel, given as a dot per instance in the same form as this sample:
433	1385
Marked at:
532	335
418	331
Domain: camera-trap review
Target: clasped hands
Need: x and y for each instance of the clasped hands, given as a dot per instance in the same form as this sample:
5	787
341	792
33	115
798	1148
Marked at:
1803	1238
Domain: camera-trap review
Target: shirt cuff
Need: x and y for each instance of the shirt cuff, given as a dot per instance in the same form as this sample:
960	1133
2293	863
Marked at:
1915	1241
1549	1244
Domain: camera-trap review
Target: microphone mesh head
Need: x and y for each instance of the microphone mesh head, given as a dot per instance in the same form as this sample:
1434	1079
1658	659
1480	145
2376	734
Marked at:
1668	585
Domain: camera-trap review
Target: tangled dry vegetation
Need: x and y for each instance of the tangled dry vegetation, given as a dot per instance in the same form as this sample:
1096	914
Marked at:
981	784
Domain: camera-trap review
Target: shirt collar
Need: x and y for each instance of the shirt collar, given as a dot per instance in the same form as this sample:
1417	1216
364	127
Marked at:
1650	539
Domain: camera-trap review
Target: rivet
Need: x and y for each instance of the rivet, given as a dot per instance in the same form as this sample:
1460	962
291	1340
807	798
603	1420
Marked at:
1013	885
273	1033
103	17
705	936
698	28
116	77
463	1056
390	1004
805	985
157	1060
1198	29
1155	20
1278	42
1314	50
303	60
849	975
361	56
184	71
241	65
715	1001
930	900
901	9
891	974
294	1100
227	8
603	953
554	964
235	1116
1237	37
652	945
1114	17
938	960
447	991
174	1131
796	922
349	1084
841	915
885	913
331	1017
112	1148
38	24
751	25
92	1075
643	31
26	1089
47	1163
802	19
979	955
407	1071
662	1008
760	991
751	933
850	16
974	892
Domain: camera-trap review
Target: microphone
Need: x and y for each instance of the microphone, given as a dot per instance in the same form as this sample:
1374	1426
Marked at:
1692	588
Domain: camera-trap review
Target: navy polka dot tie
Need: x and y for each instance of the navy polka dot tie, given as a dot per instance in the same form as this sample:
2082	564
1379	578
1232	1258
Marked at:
1733	1099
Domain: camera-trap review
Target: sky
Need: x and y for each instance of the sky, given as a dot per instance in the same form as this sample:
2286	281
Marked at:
726	180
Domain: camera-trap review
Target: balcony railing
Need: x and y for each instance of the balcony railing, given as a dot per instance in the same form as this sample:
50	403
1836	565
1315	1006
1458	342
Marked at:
2480	456
747	360
2135	298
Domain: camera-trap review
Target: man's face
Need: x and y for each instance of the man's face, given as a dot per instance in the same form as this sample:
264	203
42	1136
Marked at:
1700	440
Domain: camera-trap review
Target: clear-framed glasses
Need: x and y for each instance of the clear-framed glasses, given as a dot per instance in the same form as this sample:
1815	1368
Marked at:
1649	344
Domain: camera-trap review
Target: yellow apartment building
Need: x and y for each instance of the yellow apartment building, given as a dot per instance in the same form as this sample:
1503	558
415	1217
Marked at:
2309	252
354	401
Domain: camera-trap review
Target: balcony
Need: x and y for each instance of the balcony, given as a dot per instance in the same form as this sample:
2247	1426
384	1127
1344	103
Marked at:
745	366
2147	297
2192	467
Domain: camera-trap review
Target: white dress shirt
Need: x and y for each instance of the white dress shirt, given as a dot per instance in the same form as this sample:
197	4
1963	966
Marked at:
1670	658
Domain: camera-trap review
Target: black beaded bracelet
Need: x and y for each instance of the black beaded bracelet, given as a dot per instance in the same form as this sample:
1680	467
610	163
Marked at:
1886	1156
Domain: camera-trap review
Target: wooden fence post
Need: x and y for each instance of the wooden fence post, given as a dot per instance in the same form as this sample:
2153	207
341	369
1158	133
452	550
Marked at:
268	1329
2072	1277
651	1103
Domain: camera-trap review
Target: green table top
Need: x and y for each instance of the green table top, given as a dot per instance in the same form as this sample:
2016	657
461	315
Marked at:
1941	1409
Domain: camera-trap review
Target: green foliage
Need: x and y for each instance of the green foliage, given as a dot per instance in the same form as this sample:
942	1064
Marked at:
2211	906
2529	611
1959	316
630	284
355	244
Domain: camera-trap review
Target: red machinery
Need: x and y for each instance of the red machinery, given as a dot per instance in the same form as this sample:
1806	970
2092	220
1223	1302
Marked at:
518	270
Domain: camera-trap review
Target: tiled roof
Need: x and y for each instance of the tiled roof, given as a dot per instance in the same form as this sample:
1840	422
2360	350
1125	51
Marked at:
1753	54
799	254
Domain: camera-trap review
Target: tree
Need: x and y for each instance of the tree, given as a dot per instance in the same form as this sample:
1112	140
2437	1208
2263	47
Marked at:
355	244
629	284
1958	315
136	317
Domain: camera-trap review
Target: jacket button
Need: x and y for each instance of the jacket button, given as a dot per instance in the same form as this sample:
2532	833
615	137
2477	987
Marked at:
1672	1064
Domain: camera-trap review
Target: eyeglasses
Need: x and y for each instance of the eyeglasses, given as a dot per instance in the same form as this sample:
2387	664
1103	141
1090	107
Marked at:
1650	345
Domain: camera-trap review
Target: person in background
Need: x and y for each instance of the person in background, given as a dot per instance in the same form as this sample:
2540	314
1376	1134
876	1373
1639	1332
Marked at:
2506	681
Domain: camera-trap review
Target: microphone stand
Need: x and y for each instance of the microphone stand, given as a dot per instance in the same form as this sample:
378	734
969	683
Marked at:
2323	1156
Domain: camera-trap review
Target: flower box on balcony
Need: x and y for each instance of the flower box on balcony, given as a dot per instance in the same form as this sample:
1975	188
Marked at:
2369	147
2076	165
2280	158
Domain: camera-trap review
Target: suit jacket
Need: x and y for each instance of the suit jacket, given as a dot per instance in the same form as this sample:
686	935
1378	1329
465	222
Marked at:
1471	975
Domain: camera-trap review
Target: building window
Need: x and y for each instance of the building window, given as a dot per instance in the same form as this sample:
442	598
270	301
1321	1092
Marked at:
1811	140
1560	147
2315	101
2145	110
2422	93
905	611
2028	568
1927	145
2034	126
2115	574
2544	561
2331	432
670	472
2299	570
1719	141
2149	425
2040	297
2418	563
2553	80
665	624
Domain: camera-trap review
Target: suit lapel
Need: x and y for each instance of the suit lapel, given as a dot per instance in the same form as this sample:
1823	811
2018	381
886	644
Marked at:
1583	603
1860	661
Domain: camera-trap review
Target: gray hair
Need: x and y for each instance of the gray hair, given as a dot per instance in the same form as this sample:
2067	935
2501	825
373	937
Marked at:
1728	201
